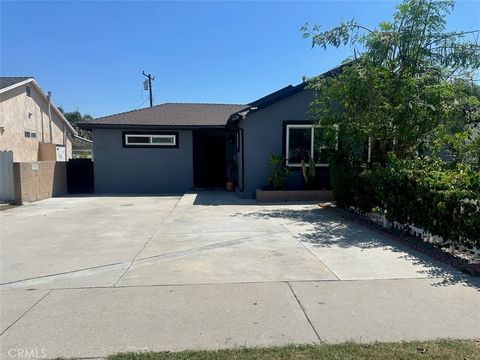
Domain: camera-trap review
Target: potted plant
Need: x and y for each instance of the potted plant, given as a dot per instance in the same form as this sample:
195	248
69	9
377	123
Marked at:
275	190
230	184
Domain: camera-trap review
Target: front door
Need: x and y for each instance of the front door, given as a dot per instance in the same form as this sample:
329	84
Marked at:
209	160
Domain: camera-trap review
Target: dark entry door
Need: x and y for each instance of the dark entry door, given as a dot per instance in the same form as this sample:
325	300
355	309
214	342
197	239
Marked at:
80	176
210	160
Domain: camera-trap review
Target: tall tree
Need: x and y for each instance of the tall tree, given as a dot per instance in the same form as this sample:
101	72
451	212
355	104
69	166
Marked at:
74	118
404	89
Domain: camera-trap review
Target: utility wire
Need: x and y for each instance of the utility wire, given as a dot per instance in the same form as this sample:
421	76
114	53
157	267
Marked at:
141	104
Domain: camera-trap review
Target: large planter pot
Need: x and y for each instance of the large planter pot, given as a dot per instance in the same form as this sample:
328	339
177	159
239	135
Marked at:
293	195
230	186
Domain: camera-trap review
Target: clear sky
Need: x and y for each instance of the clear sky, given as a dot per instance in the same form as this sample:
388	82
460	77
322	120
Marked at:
91	54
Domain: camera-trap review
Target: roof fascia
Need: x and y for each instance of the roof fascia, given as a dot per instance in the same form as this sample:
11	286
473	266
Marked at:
88	126
13	86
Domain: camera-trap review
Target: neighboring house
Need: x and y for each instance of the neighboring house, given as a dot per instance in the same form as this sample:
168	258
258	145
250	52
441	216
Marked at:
173	148
30	125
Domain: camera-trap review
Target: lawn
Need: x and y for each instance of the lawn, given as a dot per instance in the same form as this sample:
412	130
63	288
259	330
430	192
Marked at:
440	349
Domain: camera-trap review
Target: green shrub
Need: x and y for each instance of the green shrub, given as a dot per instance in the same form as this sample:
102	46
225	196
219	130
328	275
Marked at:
309	173
280	173
343	176
423	192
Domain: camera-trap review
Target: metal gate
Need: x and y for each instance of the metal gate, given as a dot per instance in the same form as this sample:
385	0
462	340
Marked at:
7	190
80	176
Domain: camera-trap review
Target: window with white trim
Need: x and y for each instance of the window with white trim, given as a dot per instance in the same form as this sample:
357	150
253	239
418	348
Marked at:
303	142
153	140
30	134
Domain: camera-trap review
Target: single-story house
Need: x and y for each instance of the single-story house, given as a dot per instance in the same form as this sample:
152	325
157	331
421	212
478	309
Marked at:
177	147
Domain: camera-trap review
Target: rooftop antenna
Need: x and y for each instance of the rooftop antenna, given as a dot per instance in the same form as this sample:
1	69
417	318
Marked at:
147	85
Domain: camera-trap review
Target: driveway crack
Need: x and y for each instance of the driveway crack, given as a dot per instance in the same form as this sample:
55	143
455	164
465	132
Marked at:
26	312
305	247
304	312
146	243
204	248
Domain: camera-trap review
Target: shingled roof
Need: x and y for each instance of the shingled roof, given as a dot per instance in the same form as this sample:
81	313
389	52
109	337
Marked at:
7	81
170	115
195	114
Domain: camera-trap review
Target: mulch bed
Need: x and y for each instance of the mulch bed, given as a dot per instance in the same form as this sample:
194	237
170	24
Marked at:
435	252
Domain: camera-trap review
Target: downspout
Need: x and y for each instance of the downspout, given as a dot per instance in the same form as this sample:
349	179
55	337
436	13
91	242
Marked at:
43	128
236	117
243	160
64	128
50	115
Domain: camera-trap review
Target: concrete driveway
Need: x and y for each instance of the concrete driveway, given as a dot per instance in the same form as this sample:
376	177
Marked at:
90	276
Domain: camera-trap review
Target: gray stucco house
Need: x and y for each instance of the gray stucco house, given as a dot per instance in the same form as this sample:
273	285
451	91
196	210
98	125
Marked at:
177	147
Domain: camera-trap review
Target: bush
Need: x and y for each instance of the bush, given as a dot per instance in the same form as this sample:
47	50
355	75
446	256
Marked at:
423	192
343	177
309	173
280	173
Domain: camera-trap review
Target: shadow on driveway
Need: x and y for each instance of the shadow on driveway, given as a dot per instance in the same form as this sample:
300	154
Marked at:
323	228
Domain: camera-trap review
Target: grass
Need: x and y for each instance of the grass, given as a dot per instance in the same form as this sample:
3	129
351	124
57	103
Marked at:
439	349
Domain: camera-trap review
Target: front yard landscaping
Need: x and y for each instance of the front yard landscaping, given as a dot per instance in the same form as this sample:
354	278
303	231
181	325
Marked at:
440	349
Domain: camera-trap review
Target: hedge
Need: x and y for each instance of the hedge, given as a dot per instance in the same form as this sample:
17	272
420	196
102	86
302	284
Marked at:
423	192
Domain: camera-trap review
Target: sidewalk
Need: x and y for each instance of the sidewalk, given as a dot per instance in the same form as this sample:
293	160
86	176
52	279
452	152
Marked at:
97	322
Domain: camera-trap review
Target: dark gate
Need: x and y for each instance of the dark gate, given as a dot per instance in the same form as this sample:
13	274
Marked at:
80	176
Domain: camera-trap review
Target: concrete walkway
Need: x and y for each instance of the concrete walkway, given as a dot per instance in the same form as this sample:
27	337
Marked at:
87	277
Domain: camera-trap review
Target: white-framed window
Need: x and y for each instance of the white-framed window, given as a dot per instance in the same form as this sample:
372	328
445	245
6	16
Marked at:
151	140
30	134
302	143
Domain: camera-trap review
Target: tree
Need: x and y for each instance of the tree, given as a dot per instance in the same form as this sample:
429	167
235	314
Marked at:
74	118
407	88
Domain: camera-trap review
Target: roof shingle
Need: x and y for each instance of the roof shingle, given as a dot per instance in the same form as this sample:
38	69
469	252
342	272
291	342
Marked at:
171	114
6	81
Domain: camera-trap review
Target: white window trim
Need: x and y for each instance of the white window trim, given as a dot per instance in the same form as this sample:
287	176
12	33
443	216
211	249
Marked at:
312	143
151	143
30	133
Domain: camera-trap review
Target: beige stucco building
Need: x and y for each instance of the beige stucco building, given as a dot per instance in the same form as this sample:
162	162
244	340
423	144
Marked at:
30	125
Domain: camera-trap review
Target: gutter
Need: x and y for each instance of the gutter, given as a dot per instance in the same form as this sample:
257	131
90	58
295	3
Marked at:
90	126
82	139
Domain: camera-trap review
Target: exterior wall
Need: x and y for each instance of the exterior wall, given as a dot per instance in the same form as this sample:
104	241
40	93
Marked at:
141	170
20	113
263	136
39	180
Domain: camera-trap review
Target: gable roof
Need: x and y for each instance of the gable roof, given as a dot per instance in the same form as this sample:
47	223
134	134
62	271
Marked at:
170	115
191	115
9	81
291	90
283	93
278	95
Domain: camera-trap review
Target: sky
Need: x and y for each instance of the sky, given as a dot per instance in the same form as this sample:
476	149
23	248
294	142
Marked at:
91	54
